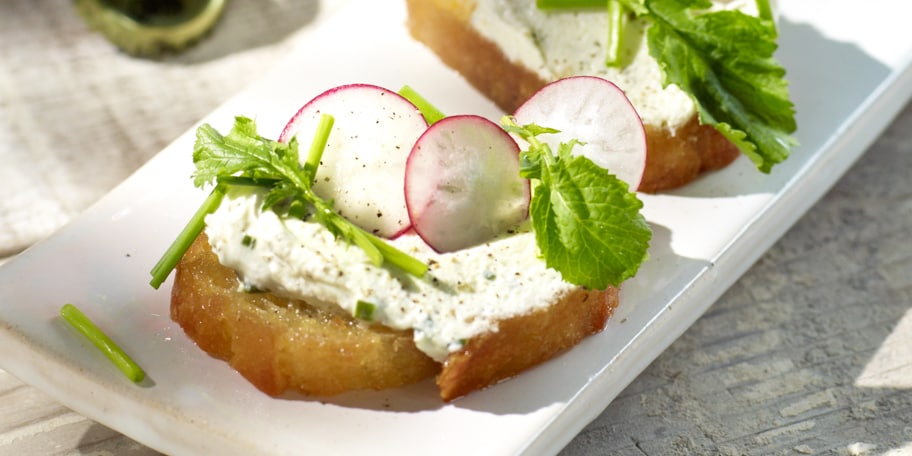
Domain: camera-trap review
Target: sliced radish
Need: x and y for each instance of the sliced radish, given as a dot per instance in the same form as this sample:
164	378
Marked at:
462	184
597	113
363	166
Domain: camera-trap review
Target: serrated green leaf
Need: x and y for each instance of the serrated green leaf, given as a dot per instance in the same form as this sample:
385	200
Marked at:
244	155
724	61
588	225
587	222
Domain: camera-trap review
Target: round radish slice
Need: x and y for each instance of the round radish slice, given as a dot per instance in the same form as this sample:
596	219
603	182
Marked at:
462	183
363	165
596	112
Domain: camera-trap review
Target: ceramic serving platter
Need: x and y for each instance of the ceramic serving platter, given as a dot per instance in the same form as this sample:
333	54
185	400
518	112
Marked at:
849	76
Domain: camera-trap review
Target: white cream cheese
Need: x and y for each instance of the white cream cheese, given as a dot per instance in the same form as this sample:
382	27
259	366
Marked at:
557	44
464	294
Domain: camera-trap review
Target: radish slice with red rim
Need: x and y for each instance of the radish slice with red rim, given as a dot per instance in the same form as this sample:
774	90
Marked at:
596	112
363	165
462	183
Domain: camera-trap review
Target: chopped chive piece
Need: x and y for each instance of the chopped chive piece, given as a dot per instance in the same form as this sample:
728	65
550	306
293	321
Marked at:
78	320
399	258
250	288
194	227
617	20
365	310
764	10
244	154
248	241
318	145
429	111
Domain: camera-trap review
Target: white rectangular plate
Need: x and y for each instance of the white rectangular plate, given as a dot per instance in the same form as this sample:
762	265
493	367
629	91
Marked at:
849	74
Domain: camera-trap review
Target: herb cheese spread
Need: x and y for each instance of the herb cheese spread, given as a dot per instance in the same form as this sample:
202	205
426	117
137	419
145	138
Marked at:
464	294
558	44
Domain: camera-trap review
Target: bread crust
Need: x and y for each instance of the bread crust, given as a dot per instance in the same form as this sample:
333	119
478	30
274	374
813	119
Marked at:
525	341
676	154
279	344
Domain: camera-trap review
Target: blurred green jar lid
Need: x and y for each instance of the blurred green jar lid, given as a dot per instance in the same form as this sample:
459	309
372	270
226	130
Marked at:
149	28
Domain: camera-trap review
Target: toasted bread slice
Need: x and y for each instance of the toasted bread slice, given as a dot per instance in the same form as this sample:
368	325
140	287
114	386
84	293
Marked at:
524	341
280	344
677	153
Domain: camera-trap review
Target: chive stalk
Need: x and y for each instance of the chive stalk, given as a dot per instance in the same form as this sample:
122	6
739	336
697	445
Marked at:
428	110
242	181
318	145
764	10
364	240
376	249
194	227
380	251
617	21
275	173
399	258
72	315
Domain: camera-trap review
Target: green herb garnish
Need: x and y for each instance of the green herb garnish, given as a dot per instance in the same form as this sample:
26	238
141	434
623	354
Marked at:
242	157
72	315
365	310
730	73
242	152
430	112
587	222
724	61
194	227
617	22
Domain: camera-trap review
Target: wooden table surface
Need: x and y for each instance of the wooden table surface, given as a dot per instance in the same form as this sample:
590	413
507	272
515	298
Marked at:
810	352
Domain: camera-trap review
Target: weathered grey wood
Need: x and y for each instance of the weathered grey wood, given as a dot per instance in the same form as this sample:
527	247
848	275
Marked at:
809	353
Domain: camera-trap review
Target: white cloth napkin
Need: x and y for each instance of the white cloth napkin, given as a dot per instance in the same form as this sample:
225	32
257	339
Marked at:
77	116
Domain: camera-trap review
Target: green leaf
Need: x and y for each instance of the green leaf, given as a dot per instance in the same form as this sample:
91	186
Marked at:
724	60
587	222
243	157
588	225
242	151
